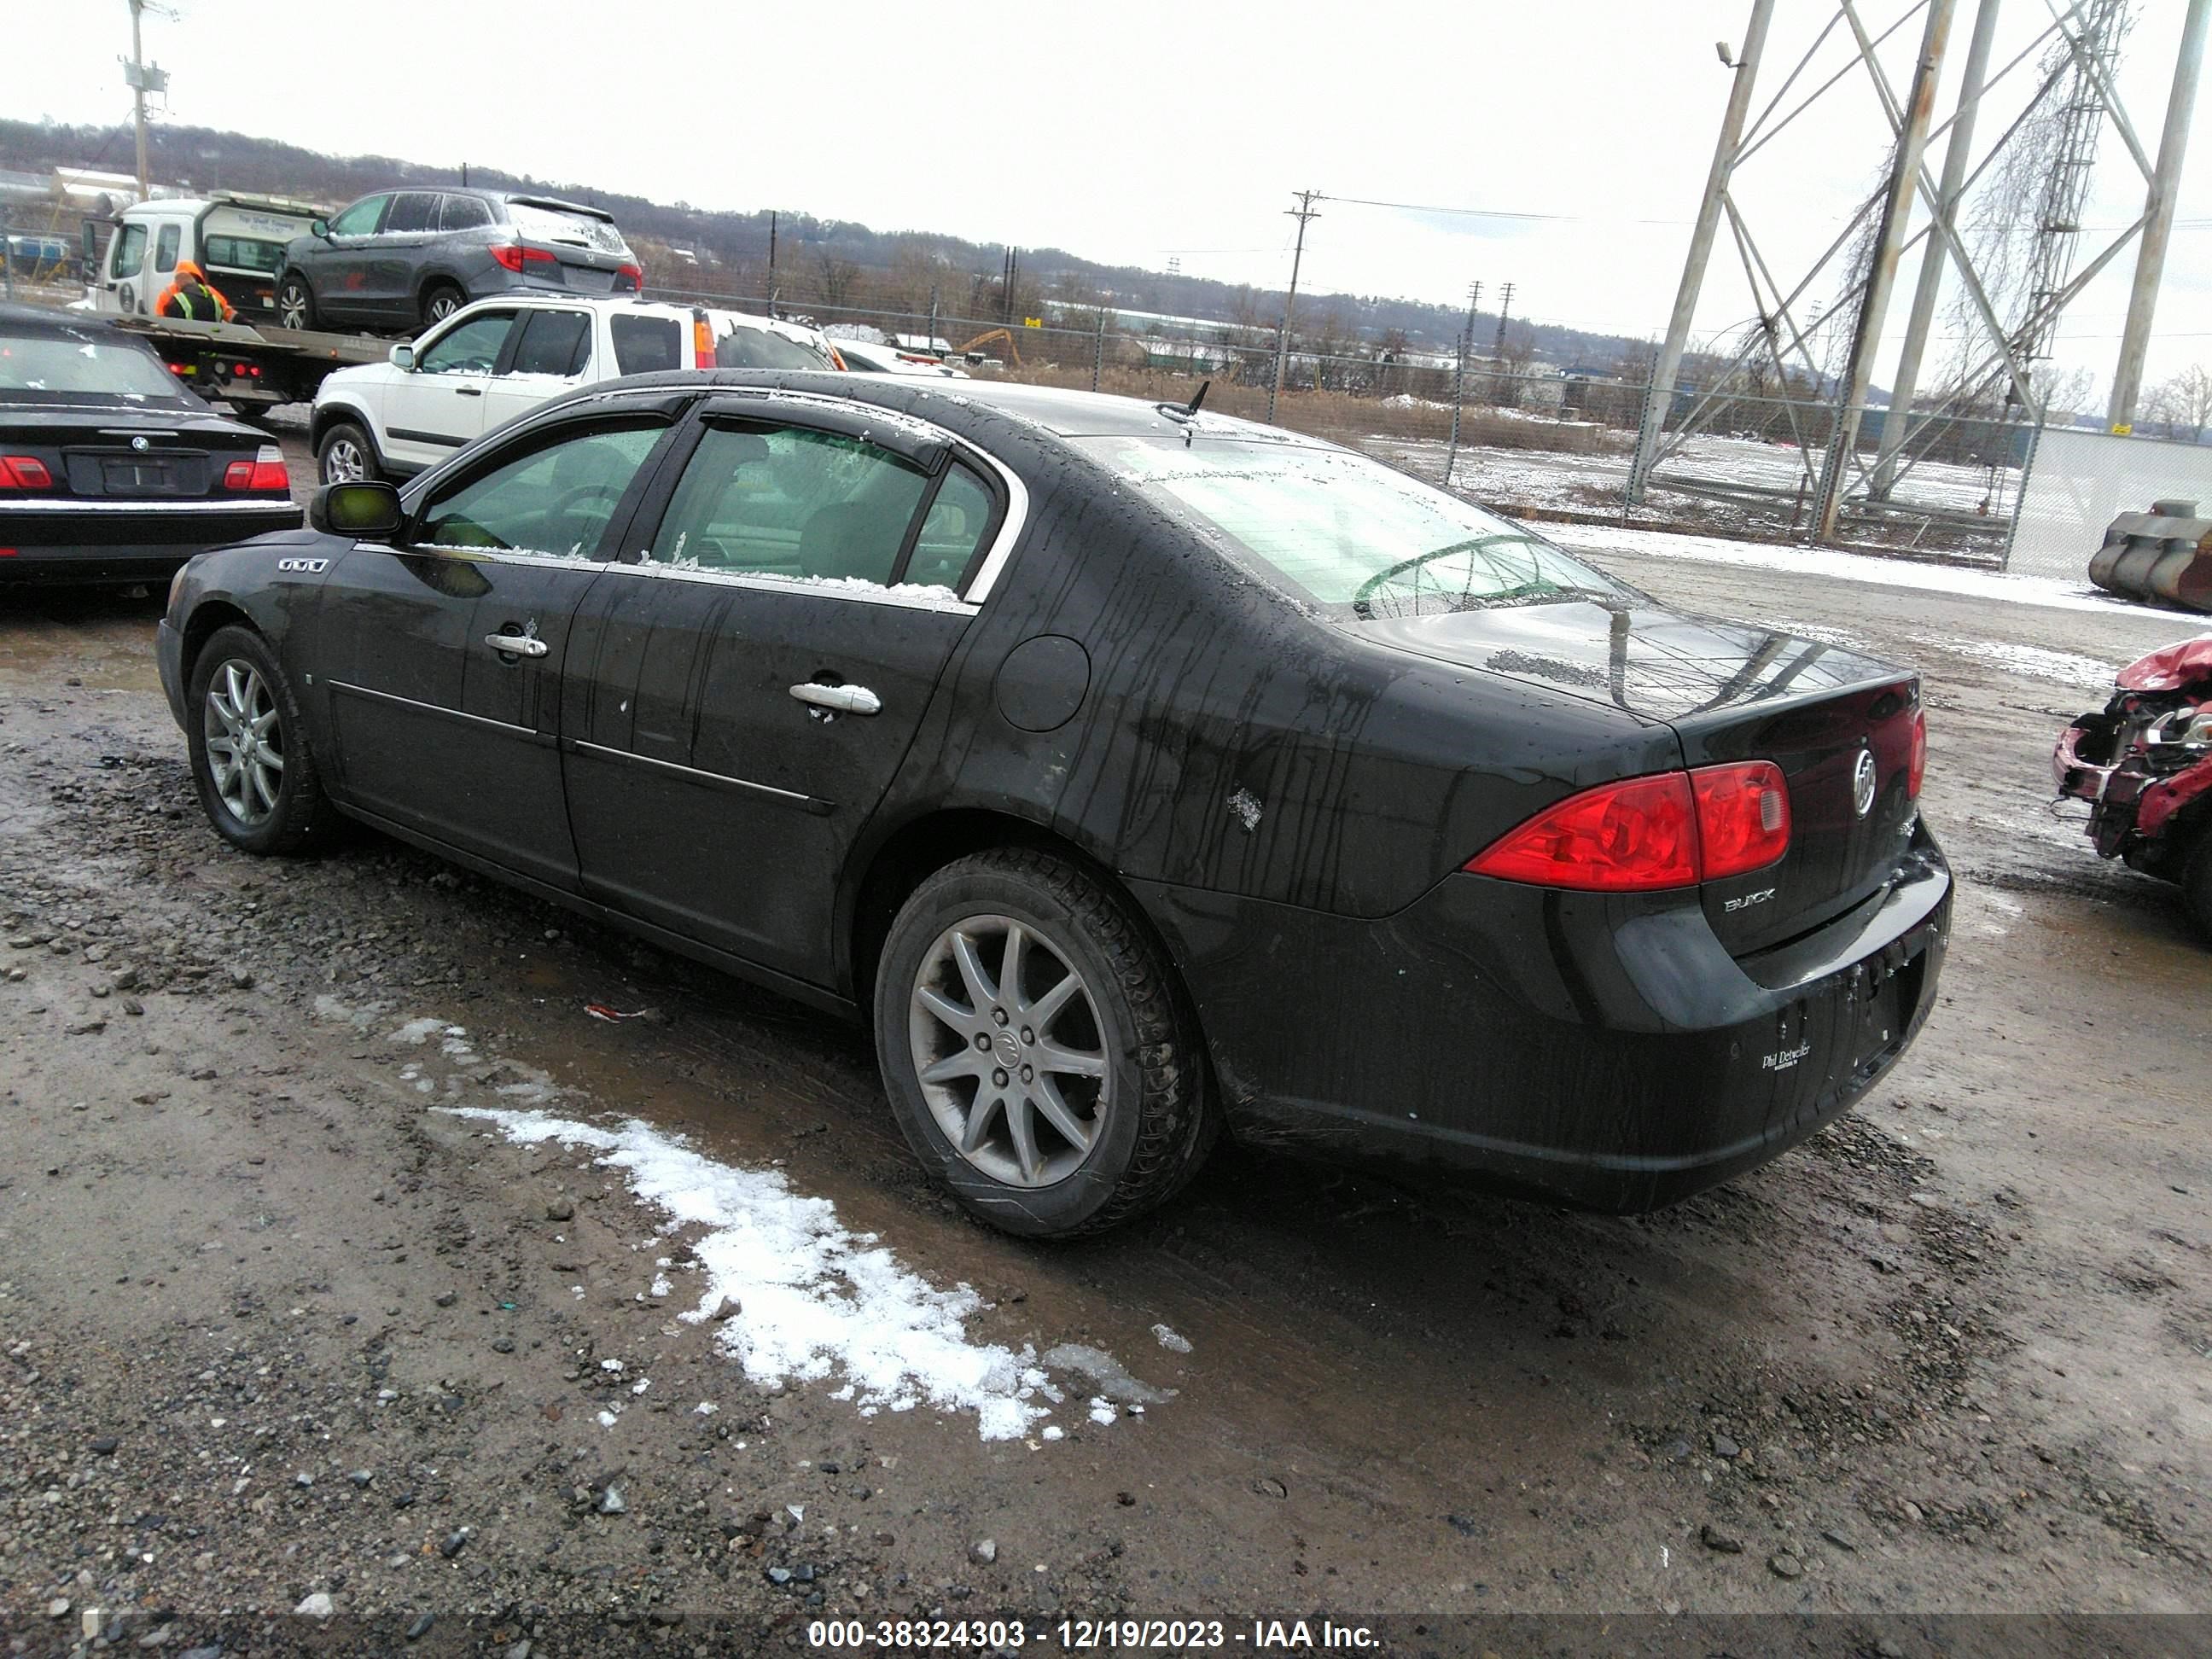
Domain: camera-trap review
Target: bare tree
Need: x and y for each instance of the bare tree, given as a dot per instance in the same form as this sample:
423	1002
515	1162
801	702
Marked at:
835	280
2182	404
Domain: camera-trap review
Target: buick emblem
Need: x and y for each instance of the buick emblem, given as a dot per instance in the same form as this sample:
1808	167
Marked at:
1862	783
139	444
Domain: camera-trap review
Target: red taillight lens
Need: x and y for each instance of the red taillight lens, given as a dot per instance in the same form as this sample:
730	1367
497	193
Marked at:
513	254
1623	837
635	273
265	475
24	472
1743	817
1916	767
702	342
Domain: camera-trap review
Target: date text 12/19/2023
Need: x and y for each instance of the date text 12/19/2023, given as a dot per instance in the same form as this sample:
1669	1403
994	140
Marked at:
1092	1635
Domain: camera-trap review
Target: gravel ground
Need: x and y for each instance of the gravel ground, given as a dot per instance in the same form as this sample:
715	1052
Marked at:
274	1329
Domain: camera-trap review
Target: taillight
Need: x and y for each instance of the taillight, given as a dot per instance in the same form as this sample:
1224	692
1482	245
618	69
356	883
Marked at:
1623	837
24	472
635	273
1916	767
703	341
1743	817
264	474
512	254
1673	829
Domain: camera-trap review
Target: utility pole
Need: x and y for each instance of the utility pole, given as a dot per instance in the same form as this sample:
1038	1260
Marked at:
1498	347
1303	212
1660	399
771	262
1881	276
1950	190
1459	377
2158	220
142	79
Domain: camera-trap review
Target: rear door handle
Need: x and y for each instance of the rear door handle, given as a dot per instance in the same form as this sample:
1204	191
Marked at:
516	645
839	699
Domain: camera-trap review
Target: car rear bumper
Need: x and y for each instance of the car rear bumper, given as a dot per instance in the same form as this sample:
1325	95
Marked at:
1601	1051
119	542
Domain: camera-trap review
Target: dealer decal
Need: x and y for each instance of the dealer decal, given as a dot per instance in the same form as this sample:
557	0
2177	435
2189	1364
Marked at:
1785	1059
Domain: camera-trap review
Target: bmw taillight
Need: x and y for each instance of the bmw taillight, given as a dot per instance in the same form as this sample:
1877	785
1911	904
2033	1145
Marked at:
265	475
1916	767
513	255
24	472
1642	834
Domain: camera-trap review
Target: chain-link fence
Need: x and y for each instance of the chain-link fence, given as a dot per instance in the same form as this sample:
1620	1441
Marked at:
2081	481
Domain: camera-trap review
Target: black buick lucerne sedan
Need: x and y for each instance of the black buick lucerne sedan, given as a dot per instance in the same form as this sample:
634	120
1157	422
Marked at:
111	469
1138	773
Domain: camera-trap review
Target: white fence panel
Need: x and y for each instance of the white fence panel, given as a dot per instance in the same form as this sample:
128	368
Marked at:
2079	482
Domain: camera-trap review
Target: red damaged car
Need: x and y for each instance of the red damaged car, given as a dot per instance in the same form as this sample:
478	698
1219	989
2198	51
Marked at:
2145	767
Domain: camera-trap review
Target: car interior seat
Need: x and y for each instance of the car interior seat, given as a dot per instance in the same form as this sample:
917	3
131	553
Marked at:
857	537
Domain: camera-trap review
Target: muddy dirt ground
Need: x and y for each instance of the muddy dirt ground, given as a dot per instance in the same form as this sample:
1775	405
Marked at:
272	1328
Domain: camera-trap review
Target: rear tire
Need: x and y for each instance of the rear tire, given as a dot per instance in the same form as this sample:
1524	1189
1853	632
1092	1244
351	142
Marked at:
251	763
439	302
345	455
2196	884
296	302
1079	1105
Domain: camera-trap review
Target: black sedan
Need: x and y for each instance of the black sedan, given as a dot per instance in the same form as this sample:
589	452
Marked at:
1138	773
110	471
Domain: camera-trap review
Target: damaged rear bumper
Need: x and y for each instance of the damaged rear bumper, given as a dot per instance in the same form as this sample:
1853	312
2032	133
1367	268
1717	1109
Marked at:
1603	1051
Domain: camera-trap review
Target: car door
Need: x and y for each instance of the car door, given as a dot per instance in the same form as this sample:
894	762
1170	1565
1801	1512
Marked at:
396	252
337	263
123	288
548	354
738	698
439	404
442	651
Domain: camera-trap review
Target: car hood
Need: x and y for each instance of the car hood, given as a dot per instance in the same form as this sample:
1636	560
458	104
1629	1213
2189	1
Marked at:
1656	664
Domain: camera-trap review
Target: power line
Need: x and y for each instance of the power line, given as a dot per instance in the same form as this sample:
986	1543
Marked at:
1502	213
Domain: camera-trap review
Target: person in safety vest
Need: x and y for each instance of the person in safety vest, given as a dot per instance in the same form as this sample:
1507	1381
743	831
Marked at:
191	298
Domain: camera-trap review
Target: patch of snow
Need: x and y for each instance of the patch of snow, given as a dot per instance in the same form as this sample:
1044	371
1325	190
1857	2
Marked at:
2033	662
1246	806
1168	1340
818	1299
1102	1411
418	1031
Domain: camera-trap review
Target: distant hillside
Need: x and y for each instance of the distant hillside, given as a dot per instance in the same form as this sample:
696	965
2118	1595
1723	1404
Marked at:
828	265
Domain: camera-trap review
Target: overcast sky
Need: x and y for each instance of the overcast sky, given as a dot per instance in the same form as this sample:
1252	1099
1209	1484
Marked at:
1140	132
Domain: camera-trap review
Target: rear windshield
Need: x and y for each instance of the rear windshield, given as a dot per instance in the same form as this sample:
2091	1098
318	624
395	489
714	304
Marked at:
644	345
69	365
745	347
543	224
1345	533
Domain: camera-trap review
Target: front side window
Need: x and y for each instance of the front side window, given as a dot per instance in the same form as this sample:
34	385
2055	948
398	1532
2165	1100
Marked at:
557	498
129	258
471	348
645	345
464	213
360	219
790	502
412	210
165	247
553	343
1345	533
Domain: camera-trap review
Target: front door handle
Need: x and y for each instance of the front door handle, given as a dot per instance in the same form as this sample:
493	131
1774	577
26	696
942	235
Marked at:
839	699
516	645
468	391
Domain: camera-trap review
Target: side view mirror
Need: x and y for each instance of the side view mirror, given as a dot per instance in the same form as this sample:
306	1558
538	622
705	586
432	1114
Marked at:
319	228
369	512
401	356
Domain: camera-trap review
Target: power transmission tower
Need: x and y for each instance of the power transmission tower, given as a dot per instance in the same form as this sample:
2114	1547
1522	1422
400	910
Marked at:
1303	213
2158	220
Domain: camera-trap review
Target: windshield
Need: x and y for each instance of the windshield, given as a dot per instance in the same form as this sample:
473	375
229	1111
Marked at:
70	364
541	224
1347	533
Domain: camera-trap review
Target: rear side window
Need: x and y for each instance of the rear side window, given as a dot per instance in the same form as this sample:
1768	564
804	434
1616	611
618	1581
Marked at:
244	253
644	345
412	210
556	498
464	213
553	343
129	257
165	247
789	501
954	527
746	346
360	219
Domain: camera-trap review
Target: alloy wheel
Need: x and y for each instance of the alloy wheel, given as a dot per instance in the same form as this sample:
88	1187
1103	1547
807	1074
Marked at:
292	306
343	462
1009	1051
442	304
244	741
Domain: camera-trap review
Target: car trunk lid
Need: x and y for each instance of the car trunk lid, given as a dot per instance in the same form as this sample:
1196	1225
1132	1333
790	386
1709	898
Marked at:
1730	692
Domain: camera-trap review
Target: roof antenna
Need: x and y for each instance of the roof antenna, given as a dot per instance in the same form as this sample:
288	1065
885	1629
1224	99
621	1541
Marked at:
1200	398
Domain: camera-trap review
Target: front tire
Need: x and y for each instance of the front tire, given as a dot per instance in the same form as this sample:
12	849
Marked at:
346	456
296	302
1035	1047
2196	884
251	763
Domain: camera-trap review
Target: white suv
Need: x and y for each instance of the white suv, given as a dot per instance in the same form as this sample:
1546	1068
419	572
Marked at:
494	359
